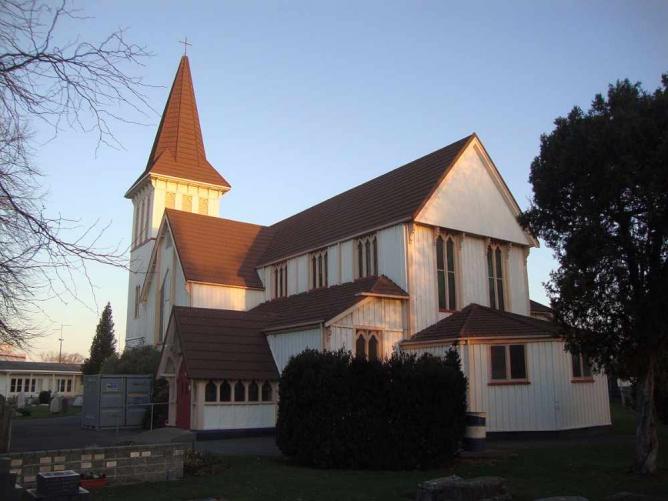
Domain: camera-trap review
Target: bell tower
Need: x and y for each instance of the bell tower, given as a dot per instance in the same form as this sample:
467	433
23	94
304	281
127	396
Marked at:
177	176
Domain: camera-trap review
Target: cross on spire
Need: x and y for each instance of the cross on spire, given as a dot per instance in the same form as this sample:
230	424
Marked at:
185	45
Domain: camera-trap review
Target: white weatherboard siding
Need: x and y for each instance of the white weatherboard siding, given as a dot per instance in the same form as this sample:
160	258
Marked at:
239	416
472	280
135	327
471	199
550	402
423	286
287	344
385	315
301	274
224	298
518	284
346	273
392	254
473	262
333	265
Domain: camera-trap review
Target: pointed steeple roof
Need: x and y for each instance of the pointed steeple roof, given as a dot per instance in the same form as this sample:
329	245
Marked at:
178	148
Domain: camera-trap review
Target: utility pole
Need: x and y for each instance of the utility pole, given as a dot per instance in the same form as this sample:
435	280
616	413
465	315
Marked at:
60	352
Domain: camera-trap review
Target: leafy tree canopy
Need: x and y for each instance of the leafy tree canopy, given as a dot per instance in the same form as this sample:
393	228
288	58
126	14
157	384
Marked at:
140	360
600	202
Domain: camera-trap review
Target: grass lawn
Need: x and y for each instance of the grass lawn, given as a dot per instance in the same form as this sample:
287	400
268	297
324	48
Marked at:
593	468
42	411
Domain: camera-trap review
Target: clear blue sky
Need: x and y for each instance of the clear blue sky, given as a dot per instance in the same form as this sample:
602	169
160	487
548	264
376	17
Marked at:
302	100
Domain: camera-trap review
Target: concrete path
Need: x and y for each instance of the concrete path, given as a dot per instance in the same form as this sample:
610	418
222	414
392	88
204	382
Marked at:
61	433
66	433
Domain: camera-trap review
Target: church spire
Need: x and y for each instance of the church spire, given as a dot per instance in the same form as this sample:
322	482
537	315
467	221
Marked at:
178	148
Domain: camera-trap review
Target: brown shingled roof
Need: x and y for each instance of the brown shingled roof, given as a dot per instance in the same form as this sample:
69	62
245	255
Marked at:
393	197
217	250
178	148
220	344
223	344
536	307
480	321
321	305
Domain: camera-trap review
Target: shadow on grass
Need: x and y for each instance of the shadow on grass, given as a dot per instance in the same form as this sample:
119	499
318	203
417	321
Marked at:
593	468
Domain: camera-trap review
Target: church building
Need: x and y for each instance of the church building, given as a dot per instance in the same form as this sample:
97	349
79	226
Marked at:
425	258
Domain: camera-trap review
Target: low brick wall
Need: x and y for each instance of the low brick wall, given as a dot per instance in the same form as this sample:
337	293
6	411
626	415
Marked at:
127	464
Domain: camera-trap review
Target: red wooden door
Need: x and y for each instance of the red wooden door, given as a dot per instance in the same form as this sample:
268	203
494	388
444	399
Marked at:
183	399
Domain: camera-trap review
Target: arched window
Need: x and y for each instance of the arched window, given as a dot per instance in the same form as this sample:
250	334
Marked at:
225	392
367	344
267	392
495	277
373	348
239	392
360	346
280	285
318	269
367	256
445	270
253	392
210	392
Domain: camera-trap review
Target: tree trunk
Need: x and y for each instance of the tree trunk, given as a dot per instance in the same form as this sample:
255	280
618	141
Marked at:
647	441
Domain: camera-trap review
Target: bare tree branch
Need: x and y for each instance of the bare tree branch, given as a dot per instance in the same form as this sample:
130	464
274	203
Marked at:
78	84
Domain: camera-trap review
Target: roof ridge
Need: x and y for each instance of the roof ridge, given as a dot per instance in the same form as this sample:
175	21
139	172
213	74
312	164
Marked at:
413	181
358	186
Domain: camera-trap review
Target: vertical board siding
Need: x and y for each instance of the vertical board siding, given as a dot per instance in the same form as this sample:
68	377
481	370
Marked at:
550	402
332	265
386	315
392	254
225	298
423	286
287	344
238	416
347	261
301	276
517	284
473	262
471	198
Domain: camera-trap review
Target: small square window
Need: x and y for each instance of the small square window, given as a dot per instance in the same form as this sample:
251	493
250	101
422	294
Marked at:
508	363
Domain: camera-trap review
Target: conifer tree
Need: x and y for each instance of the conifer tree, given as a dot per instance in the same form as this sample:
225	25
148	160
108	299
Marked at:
103	345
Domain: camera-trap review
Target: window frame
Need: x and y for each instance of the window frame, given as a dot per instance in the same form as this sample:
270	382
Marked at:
582	364
499	256
246	384
186	202
170	200
318	269
445	238
508	380
137	300
365	256
203	206
366	335
279	280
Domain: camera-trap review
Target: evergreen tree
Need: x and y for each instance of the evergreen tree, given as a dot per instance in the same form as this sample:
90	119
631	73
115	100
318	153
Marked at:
600	202
103	345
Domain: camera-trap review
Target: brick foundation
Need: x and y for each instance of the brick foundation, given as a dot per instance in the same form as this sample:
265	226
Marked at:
128	464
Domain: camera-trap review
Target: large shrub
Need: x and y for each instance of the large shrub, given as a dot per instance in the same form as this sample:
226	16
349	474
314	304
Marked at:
344	412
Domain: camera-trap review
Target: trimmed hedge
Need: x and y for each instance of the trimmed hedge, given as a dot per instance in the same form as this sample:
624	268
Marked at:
336	411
